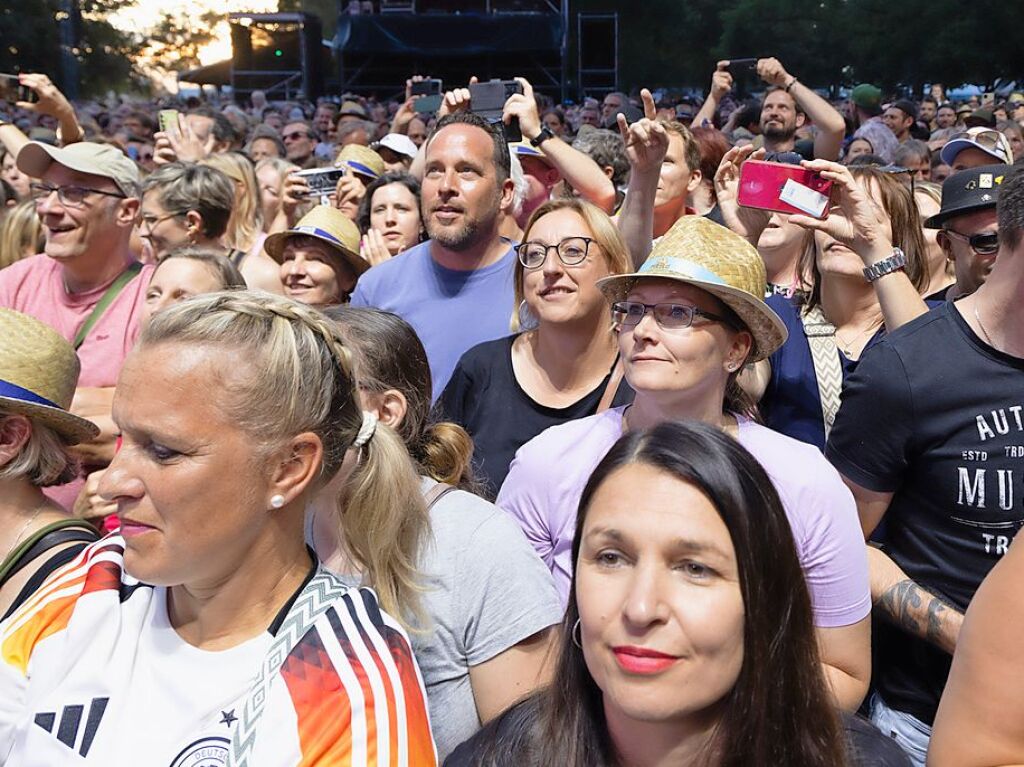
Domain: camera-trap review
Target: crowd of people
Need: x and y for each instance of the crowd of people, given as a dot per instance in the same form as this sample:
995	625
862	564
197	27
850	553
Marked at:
356	433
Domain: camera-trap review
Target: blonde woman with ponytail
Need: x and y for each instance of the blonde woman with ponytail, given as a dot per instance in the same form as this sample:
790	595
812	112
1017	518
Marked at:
204	626
488	601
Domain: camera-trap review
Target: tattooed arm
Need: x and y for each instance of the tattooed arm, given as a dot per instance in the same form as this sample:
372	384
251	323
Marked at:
910	606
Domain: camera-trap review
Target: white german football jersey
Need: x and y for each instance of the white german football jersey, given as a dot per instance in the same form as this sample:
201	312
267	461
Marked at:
93	673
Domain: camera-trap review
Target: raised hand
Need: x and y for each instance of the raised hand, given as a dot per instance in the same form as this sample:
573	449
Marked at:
721	81
857	221
772	72
456	100
646	140
746	222
182	144
524	106
51	101
374	248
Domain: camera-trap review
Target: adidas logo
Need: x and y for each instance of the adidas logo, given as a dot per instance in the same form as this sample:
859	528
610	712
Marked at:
71	723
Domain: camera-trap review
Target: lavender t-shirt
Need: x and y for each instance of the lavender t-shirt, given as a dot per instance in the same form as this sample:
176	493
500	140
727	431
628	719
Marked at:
546	479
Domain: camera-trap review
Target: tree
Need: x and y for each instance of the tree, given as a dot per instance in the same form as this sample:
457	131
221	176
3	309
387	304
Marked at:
30	41
173	43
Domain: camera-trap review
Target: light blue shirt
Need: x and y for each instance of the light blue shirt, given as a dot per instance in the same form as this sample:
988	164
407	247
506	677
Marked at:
451	311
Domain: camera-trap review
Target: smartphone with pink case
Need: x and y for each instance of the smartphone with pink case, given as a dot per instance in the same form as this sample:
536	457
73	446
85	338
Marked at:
784	188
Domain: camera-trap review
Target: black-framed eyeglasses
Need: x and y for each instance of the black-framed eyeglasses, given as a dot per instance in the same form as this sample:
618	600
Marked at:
668	316
572	251
73	196
984	244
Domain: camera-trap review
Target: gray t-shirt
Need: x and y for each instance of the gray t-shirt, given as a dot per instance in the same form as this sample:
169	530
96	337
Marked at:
487	591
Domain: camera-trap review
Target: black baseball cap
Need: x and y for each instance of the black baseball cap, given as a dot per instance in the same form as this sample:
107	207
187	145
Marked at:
967	191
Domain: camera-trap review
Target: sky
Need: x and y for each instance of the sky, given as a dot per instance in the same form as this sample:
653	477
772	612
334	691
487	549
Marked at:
144	15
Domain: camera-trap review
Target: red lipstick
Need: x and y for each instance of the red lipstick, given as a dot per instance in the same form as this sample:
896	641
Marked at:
642	660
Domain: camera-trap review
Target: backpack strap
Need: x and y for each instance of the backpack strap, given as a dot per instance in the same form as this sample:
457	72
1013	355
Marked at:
54	534
105	301
434	494
315	599
828	370
614	379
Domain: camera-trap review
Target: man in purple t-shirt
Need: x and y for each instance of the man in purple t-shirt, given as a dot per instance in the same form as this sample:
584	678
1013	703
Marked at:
455	289
87	200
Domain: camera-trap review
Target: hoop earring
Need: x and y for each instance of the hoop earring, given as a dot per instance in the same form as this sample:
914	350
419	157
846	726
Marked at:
527	320
575	641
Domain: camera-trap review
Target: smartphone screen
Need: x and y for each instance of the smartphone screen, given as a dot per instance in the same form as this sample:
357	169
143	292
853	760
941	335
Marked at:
425	87
168	120
784	188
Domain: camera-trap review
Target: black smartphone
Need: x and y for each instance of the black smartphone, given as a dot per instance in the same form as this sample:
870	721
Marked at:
488	100
11	90
427	94
742	66
428	87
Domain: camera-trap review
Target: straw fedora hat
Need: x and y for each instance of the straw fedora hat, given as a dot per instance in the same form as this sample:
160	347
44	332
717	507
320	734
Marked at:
361	160
700	252
329	225
38	375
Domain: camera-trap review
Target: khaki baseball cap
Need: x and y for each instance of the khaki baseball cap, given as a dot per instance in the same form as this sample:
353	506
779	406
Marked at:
85	157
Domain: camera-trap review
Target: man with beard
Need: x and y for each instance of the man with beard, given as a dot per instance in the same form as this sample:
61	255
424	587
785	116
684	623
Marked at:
788	104
455	289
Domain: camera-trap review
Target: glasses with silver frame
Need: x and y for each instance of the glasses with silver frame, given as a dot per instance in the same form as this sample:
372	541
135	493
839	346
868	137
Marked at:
668	316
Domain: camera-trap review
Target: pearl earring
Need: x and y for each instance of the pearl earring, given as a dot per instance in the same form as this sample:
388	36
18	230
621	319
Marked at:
277	501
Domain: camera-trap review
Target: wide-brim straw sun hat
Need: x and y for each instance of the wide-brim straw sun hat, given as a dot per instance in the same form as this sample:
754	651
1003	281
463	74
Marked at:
361	160
697	251
38	375
330	226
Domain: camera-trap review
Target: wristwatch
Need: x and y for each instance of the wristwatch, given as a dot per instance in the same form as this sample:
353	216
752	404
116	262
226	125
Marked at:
895	262
540	138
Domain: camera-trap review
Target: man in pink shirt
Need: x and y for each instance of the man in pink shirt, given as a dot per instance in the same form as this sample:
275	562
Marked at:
87	284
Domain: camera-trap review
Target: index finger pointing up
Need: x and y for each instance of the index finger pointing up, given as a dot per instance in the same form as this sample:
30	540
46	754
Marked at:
650	111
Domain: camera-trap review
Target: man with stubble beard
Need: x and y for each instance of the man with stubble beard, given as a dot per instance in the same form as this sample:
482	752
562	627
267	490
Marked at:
787	105
455	289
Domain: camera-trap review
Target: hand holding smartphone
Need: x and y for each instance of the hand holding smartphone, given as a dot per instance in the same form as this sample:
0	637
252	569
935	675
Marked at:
428	94
12	91
784	189
488	100
742	66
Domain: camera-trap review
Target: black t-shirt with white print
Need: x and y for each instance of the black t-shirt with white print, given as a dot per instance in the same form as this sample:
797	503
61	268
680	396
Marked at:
935	416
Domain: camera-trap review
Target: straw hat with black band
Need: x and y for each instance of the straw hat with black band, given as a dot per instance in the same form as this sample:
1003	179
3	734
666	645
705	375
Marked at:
330	226
696	251
38	376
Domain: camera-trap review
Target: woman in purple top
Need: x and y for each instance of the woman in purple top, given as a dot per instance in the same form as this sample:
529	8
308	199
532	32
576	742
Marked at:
688	321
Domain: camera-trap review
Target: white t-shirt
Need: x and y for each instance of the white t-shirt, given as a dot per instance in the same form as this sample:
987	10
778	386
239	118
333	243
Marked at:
92	672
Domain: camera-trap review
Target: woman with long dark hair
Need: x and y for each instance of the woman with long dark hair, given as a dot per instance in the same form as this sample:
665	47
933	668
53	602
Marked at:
687	322
688	638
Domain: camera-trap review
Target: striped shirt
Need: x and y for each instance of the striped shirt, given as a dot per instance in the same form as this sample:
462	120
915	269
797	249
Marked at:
92	672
